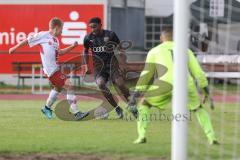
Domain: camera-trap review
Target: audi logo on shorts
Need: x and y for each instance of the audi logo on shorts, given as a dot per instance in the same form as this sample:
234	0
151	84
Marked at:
99	49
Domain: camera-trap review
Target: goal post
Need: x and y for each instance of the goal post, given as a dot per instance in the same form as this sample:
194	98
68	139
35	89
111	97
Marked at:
180	128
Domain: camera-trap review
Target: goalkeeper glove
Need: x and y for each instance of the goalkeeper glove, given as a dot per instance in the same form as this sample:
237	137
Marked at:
132	104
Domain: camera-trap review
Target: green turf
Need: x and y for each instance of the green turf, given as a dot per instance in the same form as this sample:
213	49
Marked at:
23	129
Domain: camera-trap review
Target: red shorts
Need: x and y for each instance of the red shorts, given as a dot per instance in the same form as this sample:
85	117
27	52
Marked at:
58	79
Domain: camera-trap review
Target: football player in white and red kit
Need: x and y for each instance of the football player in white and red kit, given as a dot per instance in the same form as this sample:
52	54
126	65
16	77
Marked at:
49	51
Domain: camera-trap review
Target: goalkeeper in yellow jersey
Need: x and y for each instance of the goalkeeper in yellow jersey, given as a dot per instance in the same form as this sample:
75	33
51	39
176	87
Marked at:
157	92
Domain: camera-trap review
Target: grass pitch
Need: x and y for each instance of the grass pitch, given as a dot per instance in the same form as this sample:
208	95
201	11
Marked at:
24	130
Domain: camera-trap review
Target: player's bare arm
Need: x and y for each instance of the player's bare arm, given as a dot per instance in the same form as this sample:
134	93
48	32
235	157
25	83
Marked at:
85	56
14	48
85	60
67	49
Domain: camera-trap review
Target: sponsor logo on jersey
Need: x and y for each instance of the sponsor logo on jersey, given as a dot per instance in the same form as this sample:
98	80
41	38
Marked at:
99	49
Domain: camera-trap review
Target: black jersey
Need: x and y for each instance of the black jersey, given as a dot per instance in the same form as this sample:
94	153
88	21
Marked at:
102	45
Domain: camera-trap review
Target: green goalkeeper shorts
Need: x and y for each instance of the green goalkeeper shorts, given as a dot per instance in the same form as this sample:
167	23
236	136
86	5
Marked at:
161	101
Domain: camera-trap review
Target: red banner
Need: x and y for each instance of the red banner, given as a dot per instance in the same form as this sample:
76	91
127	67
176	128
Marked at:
17	22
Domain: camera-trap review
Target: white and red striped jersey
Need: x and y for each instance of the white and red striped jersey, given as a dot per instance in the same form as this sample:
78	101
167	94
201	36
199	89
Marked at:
49	46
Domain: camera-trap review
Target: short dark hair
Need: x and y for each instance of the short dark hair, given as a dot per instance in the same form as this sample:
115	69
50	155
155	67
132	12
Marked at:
55	21
95	20
168	32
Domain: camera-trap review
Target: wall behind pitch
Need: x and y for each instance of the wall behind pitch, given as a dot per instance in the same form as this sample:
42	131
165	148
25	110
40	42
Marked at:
18	21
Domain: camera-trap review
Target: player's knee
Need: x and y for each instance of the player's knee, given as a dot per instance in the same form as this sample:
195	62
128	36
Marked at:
145	103
58	89
196	109
68	85
68	82
101	83
54	93
119	81
71	98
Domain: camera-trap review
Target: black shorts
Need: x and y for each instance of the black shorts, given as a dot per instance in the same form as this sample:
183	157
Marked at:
108	69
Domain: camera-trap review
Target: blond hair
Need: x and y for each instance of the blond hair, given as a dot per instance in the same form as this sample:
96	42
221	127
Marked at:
55	22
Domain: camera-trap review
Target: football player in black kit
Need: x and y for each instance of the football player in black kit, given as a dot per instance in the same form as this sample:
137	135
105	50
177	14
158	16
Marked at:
105	64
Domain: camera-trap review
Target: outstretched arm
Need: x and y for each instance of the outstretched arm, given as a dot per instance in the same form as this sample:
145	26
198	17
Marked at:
14	48
85	61
85	50
147	74
85	56
33	40
196	70
67	49
199	75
